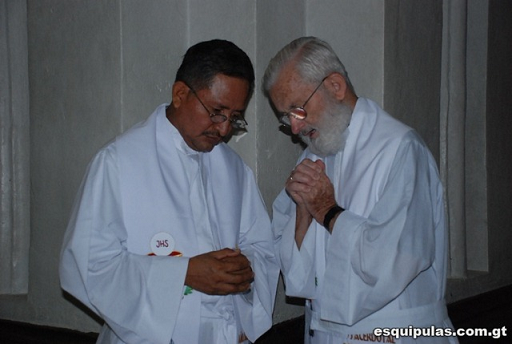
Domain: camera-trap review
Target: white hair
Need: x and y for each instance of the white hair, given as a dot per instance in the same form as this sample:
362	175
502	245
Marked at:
314	60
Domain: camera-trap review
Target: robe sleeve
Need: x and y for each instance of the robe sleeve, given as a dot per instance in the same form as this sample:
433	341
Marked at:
297	266
137	296
256	243
370	261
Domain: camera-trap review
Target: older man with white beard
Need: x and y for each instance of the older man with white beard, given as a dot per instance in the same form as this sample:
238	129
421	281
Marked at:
360	223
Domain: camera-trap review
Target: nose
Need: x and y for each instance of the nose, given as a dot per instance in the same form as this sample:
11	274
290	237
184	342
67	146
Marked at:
296	125
224	128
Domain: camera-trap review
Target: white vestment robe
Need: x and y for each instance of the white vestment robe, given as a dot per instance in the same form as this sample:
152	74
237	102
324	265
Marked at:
148	189
385	263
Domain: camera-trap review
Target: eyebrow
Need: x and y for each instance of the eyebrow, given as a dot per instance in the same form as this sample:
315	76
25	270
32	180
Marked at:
224	107
290	107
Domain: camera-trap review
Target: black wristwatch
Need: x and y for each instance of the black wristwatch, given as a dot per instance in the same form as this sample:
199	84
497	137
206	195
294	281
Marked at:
330	214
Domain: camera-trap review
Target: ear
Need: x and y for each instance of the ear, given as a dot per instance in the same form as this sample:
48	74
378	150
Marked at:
179	93
337	85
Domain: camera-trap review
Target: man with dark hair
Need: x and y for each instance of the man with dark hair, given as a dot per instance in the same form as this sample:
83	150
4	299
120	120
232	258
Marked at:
203	61
169	240
360	224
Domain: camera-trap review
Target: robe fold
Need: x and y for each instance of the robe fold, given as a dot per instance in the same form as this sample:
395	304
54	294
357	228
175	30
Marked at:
146	183
385	263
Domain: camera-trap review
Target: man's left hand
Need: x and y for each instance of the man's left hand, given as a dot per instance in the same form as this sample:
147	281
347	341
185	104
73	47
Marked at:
310	183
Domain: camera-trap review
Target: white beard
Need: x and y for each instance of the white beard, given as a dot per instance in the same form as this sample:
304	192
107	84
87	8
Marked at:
332	131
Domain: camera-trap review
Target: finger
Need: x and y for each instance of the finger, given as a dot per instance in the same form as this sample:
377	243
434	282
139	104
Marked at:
225	252
301	176
320	164
228	288
304	171
295	197
240	277
247	272
312	165
233	253
296	187
233	264
307	173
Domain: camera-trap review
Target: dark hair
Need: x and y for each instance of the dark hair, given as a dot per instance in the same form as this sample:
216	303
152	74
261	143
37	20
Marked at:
203	61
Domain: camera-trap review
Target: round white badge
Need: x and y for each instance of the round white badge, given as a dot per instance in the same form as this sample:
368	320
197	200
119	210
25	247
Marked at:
162	244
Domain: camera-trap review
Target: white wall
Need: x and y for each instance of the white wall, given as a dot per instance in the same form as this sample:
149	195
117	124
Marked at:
97	67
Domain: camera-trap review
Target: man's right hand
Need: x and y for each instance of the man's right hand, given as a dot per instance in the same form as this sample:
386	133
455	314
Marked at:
220	272
311	189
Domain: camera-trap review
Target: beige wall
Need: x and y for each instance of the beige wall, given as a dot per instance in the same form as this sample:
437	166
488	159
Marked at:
97	67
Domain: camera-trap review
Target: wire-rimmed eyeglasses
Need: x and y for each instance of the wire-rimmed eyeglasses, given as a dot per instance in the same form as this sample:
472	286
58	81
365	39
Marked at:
237	122
299	112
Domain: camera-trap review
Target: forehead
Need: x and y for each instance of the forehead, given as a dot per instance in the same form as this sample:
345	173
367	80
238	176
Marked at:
226	91
288	89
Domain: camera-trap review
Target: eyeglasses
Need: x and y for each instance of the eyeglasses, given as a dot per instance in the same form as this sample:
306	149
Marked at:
299	112
237	122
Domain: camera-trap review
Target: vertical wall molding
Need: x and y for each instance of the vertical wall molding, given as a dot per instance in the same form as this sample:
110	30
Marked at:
14	149
477	232
453	112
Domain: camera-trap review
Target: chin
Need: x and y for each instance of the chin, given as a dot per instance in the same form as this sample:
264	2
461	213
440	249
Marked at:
324	146
206	149
320	152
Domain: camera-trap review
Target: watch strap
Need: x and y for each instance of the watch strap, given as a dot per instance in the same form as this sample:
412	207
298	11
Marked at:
331	214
